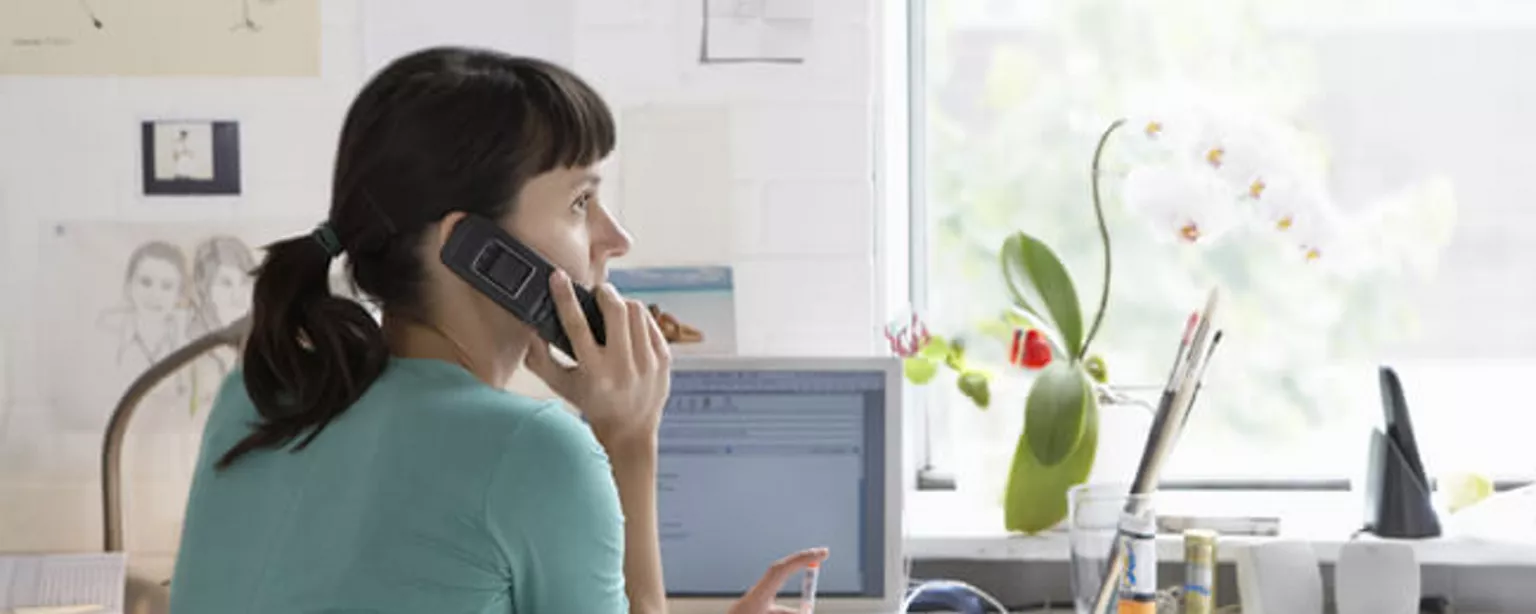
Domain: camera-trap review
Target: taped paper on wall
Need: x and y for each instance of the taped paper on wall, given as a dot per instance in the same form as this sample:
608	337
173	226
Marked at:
160	37
675	184
120	296
695	306
771	31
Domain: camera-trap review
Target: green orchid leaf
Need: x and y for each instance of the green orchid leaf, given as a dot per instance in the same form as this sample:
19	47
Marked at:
974	385
1036	496
1041	286
919	369
1056	412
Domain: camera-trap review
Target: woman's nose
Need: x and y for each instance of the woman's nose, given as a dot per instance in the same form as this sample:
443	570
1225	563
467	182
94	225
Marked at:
610	238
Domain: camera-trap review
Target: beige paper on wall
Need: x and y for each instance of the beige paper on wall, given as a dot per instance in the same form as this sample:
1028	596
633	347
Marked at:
160	37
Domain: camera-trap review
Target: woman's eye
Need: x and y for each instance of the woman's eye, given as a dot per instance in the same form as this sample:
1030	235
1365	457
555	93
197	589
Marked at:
582	202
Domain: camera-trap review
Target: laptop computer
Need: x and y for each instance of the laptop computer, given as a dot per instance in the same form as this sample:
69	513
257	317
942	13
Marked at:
763	457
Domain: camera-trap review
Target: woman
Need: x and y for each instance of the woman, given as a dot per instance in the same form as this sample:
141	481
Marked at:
355	466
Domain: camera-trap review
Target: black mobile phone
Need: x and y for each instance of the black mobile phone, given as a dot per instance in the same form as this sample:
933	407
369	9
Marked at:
516	277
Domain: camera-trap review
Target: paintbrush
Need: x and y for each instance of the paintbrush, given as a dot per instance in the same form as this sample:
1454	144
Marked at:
1200	377
1166	428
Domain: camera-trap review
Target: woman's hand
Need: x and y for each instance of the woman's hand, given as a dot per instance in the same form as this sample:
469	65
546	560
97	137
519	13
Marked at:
759	600
619	387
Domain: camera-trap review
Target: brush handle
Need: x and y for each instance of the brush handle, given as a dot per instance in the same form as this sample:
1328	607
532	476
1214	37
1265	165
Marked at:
1173	413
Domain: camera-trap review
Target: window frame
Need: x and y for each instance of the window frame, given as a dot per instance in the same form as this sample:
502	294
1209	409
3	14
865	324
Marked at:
901	146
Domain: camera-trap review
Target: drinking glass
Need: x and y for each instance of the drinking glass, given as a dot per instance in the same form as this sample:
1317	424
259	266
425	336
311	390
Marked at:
1093	523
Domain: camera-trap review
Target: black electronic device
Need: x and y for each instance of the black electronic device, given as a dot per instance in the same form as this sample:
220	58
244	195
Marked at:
516	277
1397	489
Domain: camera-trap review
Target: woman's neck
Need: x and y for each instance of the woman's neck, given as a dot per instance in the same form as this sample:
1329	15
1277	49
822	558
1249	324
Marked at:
492	358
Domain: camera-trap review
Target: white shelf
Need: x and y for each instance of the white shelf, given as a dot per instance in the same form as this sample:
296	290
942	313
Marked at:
948	526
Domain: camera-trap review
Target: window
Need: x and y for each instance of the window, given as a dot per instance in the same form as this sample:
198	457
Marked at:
1417	118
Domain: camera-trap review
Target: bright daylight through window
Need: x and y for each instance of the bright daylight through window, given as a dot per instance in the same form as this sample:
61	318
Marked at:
1391	144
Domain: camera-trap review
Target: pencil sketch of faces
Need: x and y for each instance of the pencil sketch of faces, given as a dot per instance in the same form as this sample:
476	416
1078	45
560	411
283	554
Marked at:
221	294
221	282
154	288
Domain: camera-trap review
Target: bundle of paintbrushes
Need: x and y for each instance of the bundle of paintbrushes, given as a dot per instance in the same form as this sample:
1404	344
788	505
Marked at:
1195	348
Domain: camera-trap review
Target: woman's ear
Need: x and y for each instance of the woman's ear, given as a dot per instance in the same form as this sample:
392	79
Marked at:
445	228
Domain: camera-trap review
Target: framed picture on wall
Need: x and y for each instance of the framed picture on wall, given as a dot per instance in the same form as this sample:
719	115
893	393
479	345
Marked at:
191	157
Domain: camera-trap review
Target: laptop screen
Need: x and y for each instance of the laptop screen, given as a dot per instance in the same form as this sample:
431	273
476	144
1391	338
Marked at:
756	465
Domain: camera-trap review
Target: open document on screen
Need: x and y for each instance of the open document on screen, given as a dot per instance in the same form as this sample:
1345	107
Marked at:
756	465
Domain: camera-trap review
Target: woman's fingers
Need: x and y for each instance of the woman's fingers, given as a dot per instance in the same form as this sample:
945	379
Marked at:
571	318
639	337
658	341
801	559
616	320
778	573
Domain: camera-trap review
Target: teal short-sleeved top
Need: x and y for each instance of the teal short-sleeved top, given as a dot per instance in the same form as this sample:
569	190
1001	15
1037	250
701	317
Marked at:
433	493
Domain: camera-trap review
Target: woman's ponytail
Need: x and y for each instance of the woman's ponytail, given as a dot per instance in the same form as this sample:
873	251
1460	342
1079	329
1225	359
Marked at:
310	354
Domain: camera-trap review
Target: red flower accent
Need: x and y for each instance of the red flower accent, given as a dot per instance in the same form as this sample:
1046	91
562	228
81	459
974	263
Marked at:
1036	352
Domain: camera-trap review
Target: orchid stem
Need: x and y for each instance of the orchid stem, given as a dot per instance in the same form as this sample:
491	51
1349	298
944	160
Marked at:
1098	211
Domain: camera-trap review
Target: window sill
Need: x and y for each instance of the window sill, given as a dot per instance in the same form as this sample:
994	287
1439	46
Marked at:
952	526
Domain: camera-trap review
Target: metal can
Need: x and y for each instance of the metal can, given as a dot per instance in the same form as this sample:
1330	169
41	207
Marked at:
1199	571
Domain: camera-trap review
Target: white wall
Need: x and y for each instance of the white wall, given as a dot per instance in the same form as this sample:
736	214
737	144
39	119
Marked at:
801	214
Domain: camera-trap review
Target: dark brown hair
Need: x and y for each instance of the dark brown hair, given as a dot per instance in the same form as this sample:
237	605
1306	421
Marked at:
441	130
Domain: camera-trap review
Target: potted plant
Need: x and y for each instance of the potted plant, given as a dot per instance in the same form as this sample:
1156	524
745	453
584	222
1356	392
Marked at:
1050	339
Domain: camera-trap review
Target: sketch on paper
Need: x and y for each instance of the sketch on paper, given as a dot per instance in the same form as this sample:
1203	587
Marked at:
183	151
191	157
160	37
120	296
145	323
221	292
771	31
247	23
91	13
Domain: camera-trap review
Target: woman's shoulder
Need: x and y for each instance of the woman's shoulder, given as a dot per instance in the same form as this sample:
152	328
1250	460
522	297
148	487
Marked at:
443	399
430	395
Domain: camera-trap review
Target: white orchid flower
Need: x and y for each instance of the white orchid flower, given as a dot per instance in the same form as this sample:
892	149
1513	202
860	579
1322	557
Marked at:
1285	197
1183	202
1317	231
